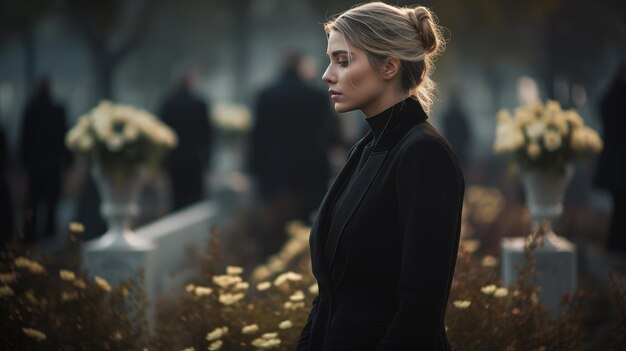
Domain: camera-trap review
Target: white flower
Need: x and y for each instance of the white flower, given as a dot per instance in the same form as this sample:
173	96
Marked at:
551	140
489	289
291	276
535	130
489	261
234	270
501	292
8	278
242	286
30	265
314	289
297	296
462	304
216	345
202	291
103	284
225	281
229	299
263	286
6	290
285	324
217	333
34	334
250	329
266	344
67	275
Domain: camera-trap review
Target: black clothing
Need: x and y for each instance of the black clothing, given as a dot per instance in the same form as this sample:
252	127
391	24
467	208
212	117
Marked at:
45	157
394	242
611	172
6	207
294	130
188	116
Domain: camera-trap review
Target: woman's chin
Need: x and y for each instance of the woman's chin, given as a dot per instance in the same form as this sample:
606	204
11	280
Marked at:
342	107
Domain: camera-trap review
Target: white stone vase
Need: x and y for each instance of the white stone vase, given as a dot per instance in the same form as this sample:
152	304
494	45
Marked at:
119	205
544	198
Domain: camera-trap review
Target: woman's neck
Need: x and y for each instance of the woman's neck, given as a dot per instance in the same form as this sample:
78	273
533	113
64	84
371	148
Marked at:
384	102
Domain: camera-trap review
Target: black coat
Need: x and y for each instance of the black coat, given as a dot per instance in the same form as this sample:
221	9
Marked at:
389	279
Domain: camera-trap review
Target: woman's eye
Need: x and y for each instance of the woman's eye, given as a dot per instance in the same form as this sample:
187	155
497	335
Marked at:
343	63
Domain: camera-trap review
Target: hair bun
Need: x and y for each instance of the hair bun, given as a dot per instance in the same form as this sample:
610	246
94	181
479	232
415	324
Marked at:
423	21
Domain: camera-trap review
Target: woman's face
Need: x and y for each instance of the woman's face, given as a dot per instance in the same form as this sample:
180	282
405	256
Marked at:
352	81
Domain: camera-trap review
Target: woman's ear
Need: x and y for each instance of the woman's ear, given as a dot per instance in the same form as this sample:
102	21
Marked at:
390	68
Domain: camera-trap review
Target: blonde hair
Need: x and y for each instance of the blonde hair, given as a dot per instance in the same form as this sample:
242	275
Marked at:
410	34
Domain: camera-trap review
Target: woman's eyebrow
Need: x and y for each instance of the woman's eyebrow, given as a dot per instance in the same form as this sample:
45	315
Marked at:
337	53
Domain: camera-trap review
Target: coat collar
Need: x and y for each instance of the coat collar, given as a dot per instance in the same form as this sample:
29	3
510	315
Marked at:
404	116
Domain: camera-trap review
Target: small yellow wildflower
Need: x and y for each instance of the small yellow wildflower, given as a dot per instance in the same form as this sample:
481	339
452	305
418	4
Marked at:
67	275
202	291
242	286
76	227
32	266
224	281
79	283
462	304
216	345
489	289
501	292
250	329
6	290
489	261
266	344
234	270
216	333
263	286
34	333
287	276
8	278
229	299
314	289
285	324
297	296
103	284
269	336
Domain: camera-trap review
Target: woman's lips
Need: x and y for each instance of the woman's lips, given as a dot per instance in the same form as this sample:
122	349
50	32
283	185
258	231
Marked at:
334	94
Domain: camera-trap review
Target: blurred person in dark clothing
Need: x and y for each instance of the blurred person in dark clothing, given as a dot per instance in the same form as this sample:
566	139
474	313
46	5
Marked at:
6	209
611	172
456	129
188	116
294	130
45	159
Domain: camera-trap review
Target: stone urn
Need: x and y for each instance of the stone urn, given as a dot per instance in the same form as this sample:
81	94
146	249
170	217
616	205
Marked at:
544	197
119	205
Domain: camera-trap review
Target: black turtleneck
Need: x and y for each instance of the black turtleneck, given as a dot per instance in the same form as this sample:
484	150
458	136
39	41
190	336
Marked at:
377	124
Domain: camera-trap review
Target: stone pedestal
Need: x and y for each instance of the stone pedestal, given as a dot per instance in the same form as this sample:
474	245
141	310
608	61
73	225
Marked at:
556	269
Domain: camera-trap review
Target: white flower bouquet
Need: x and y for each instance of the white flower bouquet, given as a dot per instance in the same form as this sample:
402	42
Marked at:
120	137
544	137
231	118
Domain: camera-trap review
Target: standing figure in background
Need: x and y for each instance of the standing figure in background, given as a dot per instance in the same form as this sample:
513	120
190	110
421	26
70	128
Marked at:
457	130
294	130
6	207
45	159
611	173
186	165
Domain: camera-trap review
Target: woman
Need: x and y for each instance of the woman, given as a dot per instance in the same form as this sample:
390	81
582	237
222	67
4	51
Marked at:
384	243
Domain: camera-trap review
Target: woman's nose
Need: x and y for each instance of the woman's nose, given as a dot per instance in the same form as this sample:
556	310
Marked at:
328	77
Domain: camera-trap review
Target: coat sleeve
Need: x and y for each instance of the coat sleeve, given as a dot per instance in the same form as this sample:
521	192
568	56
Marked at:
303	340
429	187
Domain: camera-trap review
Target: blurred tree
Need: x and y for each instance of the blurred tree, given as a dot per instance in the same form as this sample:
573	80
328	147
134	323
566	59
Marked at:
19	19
111	29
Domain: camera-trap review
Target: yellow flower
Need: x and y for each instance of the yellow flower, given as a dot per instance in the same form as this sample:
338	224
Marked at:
269	336
76	227
217	333
314	289
266	343
285	324
533	150
489	289
202	291
297	296
8	278
263	286
67	275
216	345
32	266
234	270
462	304
489	261
229	299
501	292
79	283
287	276
250	329
242	286
103	284
34	333
225	281
552	140
6	290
